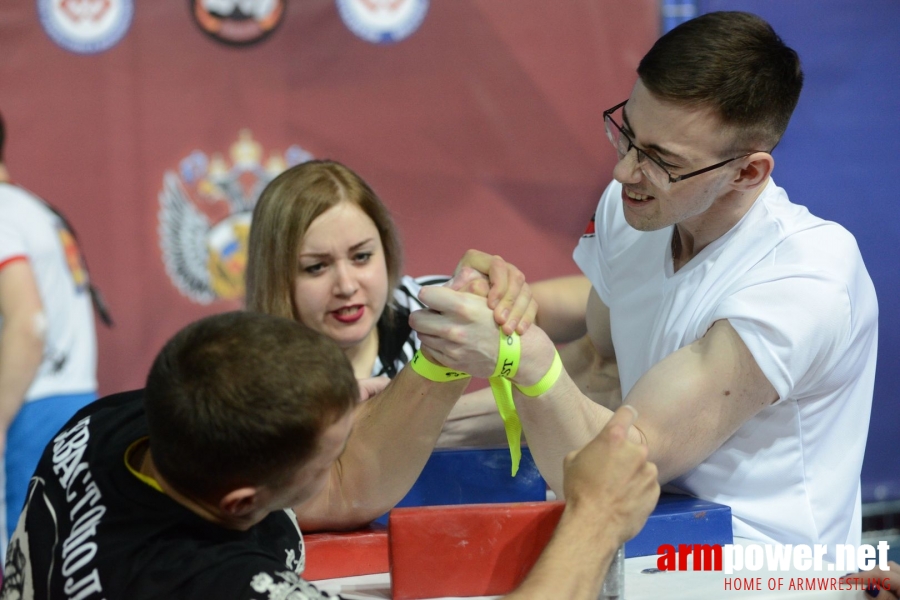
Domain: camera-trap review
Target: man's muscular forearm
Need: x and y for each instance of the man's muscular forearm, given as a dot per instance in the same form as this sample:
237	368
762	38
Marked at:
595	376
393	436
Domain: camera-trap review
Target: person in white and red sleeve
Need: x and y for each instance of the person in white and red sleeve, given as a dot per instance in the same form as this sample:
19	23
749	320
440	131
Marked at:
48	348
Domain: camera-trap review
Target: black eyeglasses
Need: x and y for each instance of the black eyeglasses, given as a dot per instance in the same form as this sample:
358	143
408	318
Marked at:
651	168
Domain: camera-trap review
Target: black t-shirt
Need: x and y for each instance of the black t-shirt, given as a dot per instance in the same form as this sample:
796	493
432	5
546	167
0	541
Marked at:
91	530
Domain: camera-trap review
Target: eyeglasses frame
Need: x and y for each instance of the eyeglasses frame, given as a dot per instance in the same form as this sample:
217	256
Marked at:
608	118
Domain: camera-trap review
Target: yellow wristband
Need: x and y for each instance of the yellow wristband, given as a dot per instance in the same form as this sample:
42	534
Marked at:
509	355
508	359
433	372
546	382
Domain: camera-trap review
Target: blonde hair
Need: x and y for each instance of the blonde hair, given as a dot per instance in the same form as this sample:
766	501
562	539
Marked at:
284	212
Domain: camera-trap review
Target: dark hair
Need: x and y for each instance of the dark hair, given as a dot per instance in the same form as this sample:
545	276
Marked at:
241	399
283	214
733	63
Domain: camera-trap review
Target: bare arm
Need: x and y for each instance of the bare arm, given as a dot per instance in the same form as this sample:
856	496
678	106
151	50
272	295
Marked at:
473	422
597	377
393	436
396	430
610	491
561	304
690	402
461	334
21	339
697	397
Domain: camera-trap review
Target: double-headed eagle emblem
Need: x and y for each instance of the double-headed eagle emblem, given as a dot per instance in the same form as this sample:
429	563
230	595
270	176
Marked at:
204	216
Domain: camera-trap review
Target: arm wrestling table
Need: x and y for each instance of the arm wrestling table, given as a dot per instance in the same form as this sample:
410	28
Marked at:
464	545
639	585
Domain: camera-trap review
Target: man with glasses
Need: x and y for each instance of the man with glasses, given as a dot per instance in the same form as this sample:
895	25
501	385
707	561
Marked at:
744	328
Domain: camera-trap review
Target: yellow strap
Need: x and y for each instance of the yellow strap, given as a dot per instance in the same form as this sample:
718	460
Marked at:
144	478
546	382
507	365
432	371
509	356
508	360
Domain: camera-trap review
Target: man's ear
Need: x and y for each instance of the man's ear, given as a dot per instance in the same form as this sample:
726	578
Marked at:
755	171
240	502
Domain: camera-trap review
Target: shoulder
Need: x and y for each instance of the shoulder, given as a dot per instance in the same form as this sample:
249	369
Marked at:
107	425
185	558
797	226
800	298
132	401
611	250
609	231
26	224
251	575
269	567
606	211
814	248
610	216
18	202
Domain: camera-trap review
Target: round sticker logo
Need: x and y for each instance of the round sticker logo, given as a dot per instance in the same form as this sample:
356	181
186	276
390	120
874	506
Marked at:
86	26
382	21
238	22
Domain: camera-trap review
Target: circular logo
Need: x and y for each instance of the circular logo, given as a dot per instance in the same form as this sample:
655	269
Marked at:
382	21
238	22
86	26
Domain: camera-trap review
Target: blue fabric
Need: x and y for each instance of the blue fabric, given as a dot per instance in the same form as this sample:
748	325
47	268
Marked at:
474	476
33	428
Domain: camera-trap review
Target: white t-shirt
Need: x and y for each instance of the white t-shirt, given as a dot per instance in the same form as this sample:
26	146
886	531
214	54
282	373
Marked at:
795	289
29	230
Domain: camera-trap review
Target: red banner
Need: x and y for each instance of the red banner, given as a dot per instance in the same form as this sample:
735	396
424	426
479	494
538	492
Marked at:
153	125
